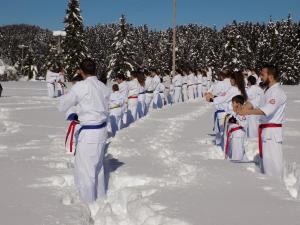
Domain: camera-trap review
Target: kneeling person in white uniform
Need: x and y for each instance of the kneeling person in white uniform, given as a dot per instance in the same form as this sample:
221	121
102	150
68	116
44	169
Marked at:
91	97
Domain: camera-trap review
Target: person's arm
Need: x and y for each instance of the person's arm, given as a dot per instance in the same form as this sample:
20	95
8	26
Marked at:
67	101
244	112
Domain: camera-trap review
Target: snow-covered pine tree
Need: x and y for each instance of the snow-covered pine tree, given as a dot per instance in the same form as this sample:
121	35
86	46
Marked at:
74	48
30	67
289	60
122	59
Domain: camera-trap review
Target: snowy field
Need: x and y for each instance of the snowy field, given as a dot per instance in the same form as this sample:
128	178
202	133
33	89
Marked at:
163	170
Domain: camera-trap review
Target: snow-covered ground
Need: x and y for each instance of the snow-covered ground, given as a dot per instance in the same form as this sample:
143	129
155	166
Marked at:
163	170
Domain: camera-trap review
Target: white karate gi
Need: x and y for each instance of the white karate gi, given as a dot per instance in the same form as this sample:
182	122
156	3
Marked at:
199	85
177	83
91	97
123	89
204	85
60	88
224	102
161	89
149	87
141	102
116	103
133	93
184	88
156	102
190	85
255	94
274	105
237	139
167	84
51	79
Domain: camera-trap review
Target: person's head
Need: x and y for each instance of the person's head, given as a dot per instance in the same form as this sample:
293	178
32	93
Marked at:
141	78
76	78
120	78
153	72
269	74
237	80
237	103
178	71
223	74
115	88
87	68
133	75
251	80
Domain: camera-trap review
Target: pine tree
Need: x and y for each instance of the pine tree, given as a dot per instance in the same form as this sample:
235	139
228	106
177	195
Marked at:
122	59
74	44
30	67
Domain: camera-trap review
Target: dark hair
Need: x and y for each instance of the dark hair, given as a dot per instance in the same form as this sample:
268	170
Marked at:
238	77
121	76
141	78
76	78
88	66
178	71
272	70
115	87
251	80
134	74
239	99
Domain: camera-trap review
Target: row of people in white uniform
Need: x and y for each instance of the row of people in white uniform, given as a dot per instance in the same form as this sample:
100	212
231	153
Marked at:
245	112
133	99
55	83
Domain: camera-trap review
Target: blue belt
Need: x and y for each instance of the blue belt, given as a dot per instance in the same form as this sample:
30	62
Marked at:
215	119
92	127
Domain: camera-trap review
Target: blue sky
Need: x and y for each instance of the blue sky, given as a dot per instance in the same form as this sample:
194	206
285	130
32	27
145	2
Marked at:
156	13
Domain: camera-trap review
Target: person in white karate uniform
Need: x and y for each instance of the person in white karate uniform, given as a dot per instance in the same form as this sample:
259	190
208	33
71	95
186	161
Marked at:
209	77
272	111
123	89
204	83
223	103
177	83
236	132
149	87
255	94
161	89
195	85
51	79
167	84
133	94
91	98
142	95
199	84
184	88
61	83
157	101
190	85
116	103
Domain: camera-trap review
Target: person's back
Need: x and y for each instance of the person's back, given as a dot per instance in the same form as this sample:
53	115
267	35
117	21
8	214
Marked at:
93	97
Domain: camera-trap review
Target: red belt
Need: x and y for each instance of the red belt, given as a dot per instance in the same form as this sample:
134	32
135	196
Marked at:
228	137
71	131
132	97
260	129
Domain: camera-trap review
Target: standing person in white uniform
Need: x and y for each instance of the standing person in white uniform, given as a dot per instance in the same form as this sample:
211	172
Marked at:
51	79
142	95
91	97
184	86
272	111
161	89
177	83
116	103
209	77
133	94
190	85
199	83
61	83
149	87
156	103
123	89
255	94
167	84
204	83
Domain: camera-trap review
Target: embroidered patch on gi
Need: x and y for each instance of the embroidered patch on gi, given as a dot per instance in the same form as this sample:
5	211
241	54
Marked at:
272	101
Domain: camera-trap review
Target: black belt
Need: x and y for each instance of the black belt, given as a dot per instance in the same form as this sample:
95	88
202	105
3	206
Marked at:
149	92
